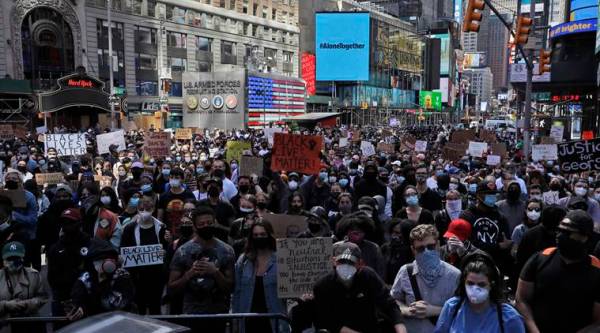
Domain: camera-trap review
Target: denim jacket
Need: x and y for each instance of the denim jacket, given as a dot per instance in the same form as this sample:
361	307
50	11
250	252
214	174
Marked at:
244	290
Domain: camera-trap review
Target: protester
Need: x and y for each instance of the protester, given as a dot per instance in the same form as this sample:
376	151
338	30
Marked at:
457	242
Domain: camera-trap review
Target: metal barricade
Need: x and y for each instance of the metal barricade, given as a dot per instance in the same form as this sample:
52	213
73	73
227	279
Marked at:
183	320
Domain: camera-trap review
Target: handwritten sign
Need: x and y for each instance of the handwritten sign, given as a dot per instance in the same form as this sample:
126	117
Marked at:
145	255
493	160
557	133
66	144
386	147
235	149
116	138
157	144
408	142
420	146
367	148
451	154
103	181
544	152
477	148
300	263
6	132
462	136
300	153
581	155
287	226
270	134
183	134
487	136
251	165
551	197
17	197
49	178
343	142
499	148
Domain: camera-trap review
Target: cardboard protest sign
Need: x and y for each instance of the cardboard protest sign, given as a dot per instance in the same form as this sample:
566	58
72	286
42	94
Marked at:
544	152
386	147
451	154
343	142
420	146
41	130
408	142
49	178
300	153
145	255
250	165
103	181
157	144
487	136
493	160
367	148
235	149
300	263
580	155
499	149
21	132
116	138
270	134
287	226
477	149
546	140
462	136
557	133
183	134
7	132
17	197
66	144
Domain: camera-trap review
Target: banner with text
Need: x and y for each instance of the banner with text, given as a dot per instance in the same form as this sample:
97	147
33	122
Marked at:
300	153
116	138
157	144
66	144
578	156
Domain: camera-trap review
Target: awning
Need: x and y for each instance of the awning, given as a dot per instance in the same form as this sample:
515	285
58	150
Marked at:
313	116
15	87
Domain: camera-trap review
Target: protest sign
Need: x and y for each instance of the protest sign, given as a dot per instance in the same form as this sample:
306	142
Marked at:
183	134
66	144
343	142
157	144
557	132
408	142
551	197
581	155
499	149
546	140
116	138
487	136
300	153
103	181
367	148
235	149
386	147
286	226
270	134
477	149
21	132
7	132
420	146
462	136
41	130
250	165
212	152
544	152
493	160
300	263
451	154
17	197
49	178
145	255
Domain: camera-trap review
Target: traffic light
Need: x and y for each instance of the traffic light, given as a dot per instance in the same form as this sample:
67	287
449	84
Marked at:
523	30
544	65
472	18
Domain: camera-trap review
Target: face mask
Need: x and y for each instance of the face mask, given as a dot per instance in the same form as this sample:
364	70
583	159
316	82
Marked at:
133	202
345	272
262	243
476	294
186	230
429	265
199	171
22	169
261	205
206	233
453	187
244	188
580	191
490	200
187	159
234	166
323	176
568	247
246	210
146	188
106	266
122	173
353	172
105	199
555	187
166	172
472	188
597	197
536	196
41	162
219	173
178	158
314	227
412	200
533	215
14	265
11	184
421	179
332	179
175	182
145	216
454	206
343	182
293	185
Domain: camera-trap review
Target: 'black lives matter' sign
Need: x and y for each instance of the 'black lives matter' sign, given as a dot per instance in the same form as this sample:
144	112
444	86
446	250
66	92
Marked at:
577	156
66	144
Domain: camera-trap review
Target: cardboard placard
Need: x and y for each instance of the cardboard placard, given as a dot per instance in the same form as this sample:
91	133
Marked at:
287	226
551	197
499	149
546	140
453	155
580	155
544	152
420	146
493	160
462	136
487	136
408	142
157	144
6	132
235	150
21	132
145	255
105	140
250	165
66	144
300	263
17	197
477	149
183	134
343	142
103	181
557	133
386	147
49	178
300	153
367	148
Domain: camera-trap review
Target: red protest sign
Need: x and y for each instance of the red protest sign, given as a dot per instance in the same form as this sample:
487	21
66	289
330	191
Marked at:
300	153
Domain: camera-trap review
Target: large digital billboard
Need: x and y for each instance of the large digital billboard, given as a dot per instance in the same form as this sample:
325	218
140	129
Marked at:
583	10
445	53
342	46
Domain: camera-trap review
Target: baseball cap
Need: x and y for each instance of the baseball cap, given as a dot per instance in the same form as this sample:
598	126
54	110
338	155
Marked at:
460	229
580	220
346	251
72	214
397	163
577	203
13	249
137	164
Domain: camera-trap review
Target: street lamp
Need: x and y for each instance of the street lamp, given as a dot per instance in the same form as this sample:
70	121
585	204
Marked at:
110	64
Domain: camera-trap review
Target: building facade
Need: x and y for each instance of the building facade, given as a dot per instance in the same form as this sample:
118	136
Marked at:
151	39
498	51
481	82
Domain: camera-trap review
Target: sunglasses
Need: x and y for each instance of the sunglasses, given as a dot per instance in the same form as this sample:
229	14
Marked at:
422	248
533	209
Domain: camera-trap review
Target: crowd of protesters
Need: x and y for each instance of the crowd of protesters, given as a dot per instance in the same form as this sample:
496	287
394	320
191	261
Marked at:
422	243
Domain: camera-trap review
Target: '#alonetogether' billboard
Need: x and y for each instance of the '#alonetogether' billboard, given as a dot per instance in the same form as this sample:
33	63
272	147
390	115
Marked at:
342	46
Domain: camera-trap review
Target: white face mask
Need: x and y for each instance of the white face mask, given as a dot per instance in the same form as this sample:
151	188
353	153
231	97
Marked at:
533	215
476	294
246	210
345	272
597	196
580	191
105	199
293	185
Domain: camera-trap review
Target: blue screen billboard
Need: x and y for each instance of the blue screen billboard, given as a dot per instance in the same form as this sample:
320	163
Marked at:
583	10
342	46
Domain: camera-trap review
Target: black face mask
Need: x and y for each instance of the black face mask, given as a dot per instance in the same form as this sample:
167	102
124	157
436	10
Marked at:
11	184
219	173
314	227
261	243
261	205
555	187
22	169
206	233
213	192
568	247
370	175
244	188
137	173
61	205
186	231
513	194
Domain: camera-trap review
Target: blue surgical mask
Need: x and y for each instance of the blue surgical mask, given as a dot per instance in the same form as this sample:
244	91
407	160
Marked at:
439	173
323	176
343	182
199	171
133	202
472	188
146	188
166	172
412	200
490	200
178	158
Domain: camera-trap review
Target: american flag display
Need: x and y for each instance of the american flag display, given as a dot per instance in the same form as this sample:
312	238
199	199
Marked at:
273	99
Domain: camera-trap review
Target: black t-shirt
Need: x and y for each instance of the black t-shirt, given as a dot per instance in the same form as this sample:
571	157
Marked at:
172	204
489	228
565	294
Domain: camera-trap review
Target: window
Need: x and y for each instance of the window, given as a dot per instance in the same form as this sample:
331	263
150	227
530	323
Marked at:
245	9
270	54
203	44
232	4
254	30
118	60
145	61
102	30
177	64
274	14
137	7
146	88
145	35
288	56
265	12
222	3
255	9
228	53
151	7
203	66
176	89
176	39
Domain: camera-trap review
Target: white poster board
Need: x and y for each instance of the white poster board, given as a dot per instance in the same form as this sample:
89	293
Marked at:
66	144
343	142
367	148
145	255
420	146
556	133
546	152
477	149
493	160
113	138
269	132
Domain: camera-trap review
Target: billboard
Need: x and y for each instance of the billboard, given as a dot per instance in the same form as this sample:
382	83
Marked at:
474	60
430	100
583	10
444	53
518	74
573	28
342	46
213	99
272	98
598	33
308	73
